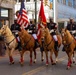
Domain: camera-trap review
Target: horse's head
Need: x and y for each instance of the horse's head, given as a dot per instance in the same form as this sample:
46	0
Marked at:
64	35
44	33
3	30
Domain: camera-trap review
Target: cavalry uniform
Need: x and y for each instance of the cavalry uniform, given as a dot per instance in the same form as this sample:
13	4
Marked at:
15	28
32	30
72	28
53	27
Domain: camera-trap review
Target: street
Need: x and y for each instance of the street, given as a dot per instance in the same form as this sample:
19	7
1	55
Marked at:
38	68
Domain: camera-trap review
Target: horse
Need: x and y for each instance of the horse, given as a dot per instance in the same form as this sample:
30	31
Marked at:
48	44
11	43
28	43
69	44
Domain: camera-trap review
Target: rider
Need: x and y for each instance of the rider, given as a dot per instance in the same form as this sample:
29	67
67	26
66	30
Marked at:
71	26
32	30
53	27
15	28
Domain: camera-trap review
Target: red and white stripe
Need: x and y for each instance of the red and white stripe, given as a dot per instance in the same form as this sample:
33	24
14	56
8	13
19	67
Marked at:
23	19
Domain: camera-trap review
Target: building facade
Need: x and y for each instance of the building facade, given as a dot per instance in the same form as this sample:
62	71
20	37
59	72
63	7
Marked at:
60	10
7	12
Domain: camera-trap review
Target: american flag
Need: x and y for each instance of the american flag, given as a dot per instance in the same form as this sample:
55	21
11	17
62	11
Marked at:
22	18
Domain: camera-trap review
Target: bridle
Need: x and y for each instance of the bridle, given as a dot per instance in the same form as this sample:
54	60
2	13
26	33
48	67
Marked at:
43	41
3	30
66	36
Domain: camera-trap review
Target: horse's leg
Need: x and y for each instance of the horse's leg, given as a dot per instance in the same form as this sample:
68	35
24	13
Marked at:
56	55
31	56
34	56
69	60
47	62
42	57
73	57
21	58
10	56
51	53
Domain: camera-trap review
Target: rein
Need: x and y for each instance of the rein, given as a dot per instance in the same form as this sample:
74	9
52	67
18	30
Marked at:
48	43
9	42
27	42
67	45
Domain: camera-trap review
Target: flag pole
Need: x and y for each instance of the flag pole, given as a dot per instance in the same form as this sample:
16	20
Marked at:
36	13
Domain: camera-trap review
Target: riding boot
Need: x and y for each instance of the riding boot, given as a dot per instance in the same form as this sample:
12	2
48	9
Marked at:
19	46
56	45
63	49
19	43
36	43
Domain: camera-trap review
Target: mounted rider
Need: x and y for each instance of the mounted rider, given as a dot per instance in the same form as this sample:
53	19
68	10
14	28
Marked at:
32	30
53	27
72	26
15	28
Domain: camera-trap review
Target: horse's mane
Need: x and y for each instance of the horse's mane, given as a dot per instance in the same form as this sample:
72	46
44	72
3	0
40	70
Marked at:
24	35
69	34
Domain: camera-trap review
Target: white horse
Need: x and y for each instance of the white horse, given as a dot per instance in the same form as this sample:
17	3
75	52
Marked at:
10	41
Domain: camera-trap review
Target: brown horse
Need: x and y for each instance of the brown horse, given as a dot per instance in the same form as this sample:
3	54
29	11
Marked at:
69	45
26	39
28	43
48	44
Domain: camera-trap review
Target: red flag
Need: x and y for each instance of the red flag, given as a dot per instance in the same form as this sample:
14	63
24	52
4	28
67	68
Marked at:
22	18
42	20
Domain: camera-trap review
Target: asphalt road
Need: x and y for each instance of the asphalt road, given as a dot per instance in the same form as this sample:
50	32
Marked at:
38	68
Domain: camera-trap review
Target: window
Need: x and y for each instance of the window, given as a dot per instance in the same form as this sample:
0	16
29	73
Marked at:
74	3
4	13
64	2
70	3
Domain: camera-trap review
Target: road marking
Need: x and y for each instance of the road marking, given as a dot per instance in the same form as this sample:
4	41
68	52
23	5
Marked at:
34	71
41	68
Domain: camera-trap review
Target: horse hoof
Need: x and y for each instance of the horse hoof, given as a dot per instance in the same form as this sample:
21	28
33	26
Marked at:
68	68
46	64
11	63
70	65
34	61
73	62
53	63
22	64
42	60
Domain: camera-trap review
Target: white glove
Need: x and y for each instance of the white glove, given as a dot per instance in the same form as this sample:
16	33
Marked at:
29	31
73	31
51	31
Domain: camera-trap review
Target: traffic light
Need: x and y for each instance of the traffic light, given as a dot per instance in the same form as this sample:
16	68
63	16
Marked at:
45	2
51	5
